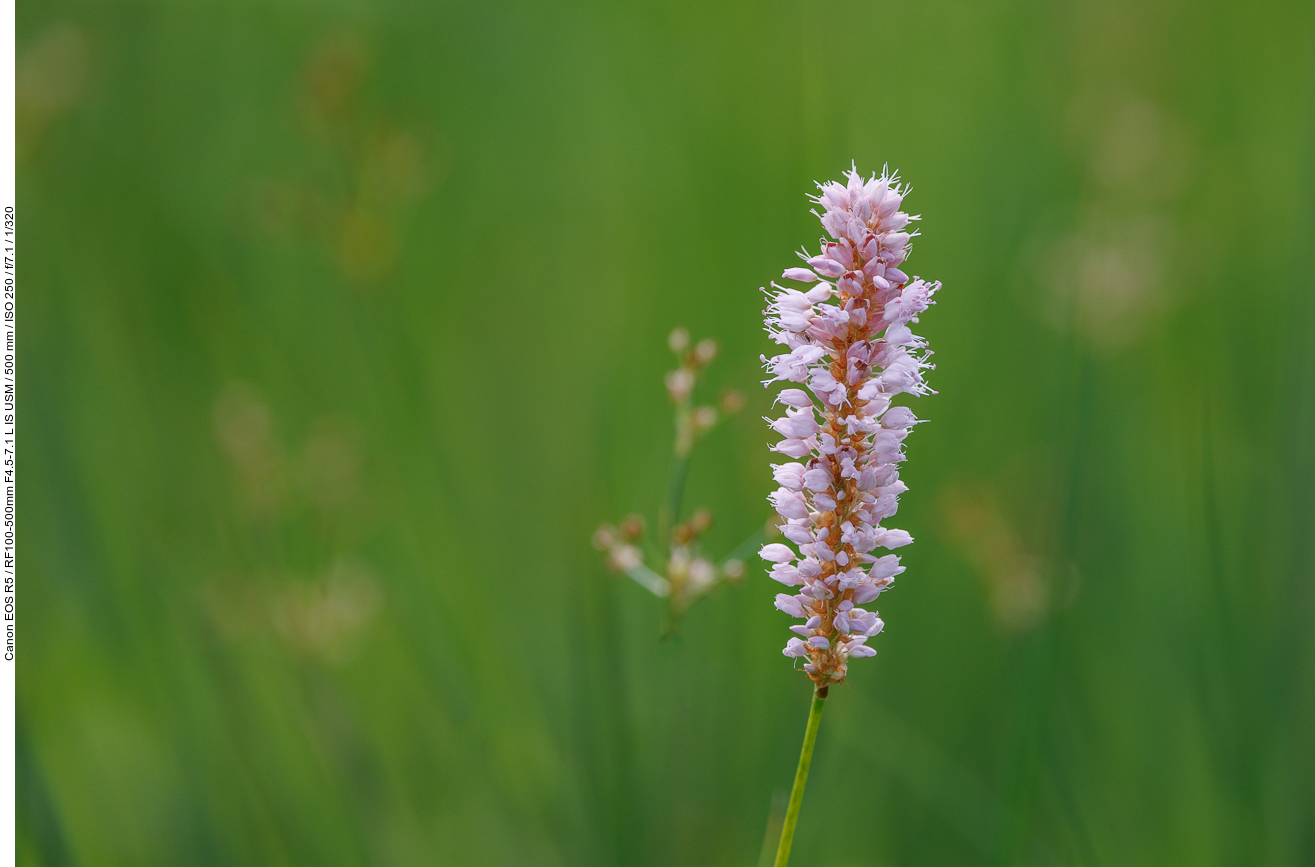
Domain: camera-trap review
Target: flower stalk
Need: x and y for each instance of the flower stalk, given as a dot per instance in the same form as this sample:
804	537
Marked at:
801	777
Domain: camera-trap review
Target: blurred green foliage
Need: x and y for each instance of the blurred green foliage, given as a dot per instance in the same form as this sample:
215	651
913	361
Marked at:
343	327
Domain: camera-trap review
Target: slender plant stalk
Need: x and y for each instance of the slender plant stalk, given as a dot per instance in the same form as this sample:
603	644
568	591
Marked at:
800	777
675	492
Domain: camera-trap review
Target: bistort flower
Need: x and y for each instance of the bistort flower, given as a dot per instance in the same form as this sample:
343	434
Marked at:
850	347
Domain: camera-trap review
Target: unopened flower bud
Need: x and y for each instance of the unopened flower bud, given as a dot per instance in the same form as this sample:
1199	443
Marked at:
678	340
731	402
826	266
795	397
705	417
789	476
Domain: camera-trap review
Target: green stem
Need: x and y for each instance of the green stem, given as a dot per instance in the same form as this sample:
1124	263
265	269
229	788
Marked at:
669	511
676	490
800	778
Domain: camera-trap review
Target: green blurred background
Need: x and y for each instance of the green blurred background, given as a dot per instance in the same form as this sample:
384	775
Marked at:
343	326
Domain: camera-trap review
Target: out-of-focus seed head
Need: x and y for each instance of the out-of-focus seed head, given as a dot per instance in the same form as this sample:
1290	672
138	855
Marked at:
678	340
605	537
698	524
704	418
679	384
623	558
632	527
686	574
701	521
702	574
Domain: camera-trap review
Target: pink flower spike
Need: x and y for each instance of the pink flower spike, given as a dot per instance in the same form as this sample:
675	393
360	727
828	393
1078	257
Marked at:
850	353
